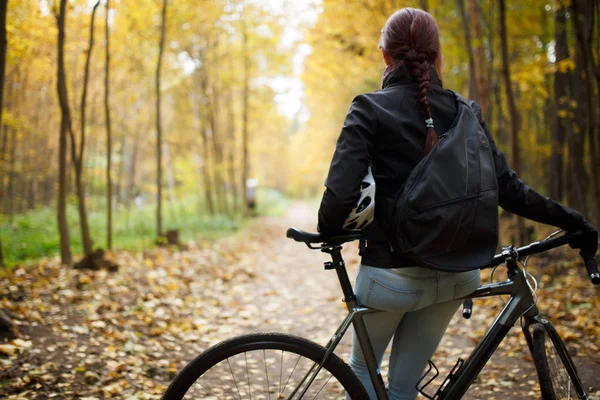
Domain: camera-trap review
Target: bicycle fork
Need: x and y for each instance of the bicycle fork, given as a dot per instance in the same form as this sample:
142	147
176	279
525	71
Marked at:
540	322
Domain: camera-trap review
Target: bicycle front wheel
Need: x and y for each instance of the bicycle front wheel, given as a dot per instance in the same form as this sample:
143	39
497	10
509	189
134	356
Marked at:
264	366
556	372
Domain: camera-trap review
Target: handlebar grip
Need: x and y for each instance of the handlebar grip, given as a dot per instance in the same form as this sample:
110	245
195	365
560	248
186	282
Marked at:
467	308
590	265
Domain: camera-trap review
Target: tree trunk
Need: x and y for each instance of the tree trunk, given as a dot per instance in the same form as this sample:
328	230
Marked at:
159	230
231	136
232	151
41	146
206	172
132	167
493	108
8	101
585	71
120	185
78	158
581	124
512	108
217	151
245	154
16	148
212	181
11	171
473	88
478	55
561	106
206	175
170	180
3	44
65	125
108	133
424	5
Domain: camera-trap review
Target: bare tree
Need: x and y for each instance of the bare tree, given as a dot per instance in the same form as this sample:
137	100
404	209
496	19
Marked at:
476	17
473	87
246	97
159	230
578	182
200	85
231	136
212	109
3	44
108	132
65	126
77	155
512	108
585	70
561	105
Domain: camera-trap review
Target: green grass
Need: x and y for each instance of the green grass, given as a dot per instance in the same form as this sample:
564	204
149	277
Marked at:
34	235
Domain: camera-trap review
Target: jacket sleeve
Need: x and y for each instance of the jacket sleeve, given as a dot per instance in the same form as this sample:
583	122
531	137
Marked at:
348	167
518	198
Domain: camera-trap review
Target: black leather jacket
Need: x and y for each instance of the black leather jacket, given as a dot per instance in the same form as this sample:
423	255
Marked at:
384	129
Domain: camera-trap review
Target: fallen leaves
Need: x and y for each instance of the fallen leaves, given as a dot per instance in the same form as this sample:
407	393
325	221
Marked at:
96	335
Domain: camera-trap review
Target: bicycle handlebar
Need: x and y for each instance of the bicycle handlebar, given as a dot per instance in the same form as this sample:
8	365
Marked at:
533	248
538	247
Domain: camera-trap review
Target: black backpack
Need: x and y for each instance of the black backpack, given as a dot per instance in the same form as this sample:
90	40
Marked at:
446	215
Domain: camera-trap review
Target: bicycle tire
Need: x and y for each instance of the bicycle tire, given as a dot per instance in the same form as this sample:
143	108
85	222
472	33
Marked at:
557	374
220	357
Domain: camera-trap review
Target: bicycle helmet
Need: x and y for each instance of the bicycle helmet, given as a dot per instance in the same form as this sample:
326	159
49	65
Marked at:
364	212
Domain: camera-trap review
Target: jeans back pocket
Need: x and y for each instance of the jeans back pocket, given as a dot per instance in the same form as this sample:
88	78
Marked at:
385	297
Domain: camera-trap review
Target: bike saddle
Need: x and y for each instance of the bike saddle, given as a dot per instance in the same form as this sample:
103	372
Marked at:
312	238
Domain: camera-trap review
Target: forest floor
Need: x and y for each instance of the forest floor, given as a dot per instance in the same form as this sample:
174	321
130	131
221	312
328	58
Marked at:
94	334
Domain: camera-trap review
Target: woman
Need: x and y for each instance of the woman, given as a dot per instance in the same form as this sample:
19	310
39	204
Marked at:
391	130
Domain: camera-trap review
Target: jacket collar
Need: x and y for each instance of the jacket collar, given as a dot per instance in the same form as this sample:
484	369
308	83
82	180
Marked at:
400	76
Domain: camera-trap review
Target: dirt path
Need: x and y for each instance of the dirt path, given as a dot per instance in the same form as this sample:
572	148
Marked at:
297	296
293	294
94	335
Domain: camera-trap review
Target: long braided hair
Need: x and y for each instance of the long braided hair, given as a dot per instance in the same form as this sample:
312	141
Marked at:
411	37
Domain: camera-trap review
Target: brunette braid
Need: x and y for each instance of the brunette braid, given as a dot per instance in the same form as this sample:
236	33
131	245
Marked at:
411	37
418	67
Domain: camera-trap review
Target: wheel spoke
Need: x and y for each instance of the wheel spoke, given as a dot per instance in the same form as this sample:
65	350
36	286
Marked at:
234	381
267	374
292	373
280	376
248	375
209	388
325	384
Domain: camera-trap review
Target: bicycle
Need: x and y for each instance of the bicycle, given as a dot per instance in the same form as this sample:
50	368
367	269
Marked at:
276	365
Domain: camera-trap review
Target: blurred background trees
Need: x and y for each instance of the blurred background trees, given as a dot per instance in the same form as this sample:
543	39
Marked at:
257	89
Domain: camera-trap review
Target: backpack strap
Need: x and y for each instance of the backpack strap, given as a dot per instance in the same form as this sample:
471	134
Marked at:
461	99
471	105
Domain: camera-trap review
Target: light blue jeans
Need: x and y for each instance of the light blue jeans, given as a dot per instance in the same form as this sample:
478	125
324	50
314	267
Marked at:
419	304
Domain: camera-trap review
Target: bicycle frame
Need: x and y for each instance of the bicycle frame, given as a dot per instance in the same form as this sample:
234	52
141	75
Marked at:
520	304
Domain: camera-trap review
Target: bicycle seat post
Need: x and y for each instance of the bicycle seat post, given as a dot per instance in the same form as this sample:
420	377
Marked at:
337	263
